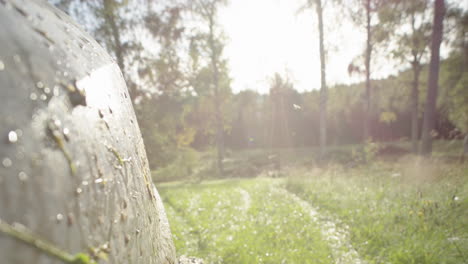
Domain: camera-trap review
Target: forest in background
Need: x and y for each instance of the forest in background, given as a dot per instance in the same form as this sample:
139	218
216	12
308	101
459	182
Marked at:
171	55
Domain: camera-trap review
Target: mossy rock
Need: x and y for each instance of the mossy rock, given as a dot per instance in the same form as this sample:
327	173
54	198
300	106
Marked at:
73	165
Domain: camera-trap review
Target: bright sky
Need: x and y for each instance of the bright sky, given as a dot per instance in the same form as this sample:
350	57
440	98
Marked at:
268	36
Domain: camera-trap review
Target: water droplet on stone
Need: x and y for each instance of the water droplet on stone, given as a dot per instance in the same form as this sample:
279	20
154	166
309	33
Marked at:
39	85
12	136
84	183
2	66
79	190
47	90
56	90
33	96
59	217
7	162
23	176
58	123
43	97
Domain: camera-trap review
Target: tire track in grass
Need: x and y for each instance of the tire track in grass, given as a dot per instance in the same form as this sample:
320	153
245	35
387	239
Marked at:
333	231
191	236
246	200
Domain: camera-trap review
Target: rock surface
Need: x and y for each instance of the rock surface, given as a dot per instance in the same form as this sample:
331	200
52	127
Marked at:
73	165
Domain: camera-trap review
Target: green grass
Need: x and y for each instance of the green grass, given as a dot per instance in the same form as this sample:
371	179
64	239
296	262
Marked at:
397	213
395	209
242	221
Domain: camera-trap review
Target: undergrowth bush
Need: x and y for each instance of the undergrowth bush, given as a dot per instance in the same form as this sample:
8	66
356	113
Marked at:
185	166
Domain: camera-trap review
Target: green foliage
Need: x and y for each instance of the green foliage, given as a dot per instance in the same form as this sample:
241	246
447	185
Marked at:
82	259
168	127
388	117
185	166
458	111
366	153
412	44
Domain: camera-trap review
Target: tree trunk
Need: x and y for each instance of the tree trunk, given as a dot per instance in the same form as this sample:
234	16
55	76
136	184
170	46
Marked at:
74	170
109	17
368	84
429	113
323	84
219	137
416	65
217	100
415	108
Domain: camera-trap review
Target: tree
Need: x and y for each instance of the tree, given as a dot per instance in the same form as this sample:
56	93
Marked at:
246	124
207	10
371	8
279	128
106	21
109	12
430	108
457	73
323	81
142	36
411	47
458	111
163	70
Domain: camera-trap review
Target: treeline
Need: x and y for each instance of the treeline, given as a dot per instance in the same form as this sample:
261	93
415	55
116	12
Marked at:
171	55
287	118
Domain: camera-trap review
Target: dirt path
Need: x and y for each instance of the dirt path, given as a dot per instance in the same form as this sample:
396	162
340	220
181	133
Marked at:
334	232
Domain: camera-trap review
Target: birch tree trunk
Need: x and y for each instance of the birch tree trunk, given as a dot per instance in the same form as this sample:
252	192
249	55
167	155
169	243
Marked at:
415	108
217	98
368	94
323	83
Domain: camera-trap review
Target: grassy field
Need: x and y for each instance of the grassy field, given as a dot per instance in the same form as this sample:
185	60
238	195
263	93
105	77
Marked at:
410	212
405	210
242	221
